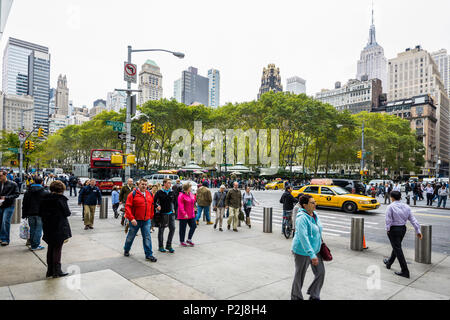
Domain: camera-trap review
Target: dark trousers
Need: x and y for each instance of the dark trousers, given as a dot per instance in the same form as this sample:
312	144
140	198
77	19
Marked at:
54	256
192	226
301	265
74	188
171	232
396	235
429	199
247	211
115	207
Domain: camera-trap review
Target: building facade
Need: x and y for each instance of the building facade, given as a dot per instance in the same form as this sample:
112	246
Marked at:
26	71
12	113
412	73
57	122
372	62
77	119
194	87
52	102
442	60
177	90
270	80
296	85
5	8
150	82
116	101
422	115
214	88
62	96
355	96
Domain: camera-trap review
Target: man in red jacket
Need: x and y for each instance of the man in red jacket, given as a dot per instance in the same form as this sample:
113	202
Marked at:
139	211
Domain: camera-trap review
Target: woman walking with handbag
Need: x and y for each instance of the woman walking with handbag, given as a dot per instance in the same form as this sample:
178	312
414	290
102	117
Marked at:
248	201
306	248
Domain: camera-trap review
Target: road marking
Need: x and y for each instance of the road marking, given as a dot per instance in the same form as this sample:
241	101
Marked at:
331	234
340	231
431	215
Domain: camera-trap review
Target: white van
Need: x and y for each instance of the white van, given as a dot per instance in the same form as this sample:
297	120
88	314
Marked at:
159	177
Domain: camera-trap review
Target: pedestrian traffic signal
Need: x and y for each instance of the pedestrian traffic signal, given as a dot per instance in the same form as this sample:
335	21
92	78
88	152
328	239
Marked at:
359	154
40	132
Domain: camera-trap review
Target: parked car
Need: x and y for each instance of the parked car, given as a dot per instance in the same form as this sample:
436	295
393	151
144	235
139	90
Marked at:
349	185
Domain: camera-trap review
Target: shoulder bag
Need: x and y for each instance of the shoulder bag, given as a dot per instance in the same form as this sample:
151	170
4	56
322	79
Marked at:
325	252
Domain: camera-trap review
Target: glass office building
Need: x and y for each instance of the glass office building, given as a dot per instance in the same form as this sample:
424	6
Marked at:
26	71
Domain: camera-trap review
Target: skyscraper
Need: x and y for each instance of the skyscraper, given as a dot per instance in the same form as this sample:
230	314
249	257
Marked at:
62	96
52	102
150	82
5	8
177	90
296	85
442	60
26	71
214	88
270	80
372	62
116	100
413	73
194	88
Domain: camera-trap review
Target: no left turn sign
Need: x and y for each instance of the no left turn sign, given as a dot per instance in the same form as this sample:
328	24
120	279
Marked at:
130	72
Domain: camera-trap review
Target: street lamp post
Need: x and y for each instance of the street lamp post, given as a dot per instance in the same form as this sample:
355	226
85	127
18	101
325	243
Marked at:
362	151
22	127
129	91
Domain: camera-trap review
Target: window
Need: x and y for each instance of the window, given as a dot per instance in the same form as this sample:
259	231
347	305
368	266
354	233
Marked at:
325	190
314	190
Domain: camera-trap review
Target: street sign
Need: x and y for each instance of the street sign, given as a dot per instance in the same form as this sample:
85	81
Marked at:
123	136
22	136
117	126
130	72
16	150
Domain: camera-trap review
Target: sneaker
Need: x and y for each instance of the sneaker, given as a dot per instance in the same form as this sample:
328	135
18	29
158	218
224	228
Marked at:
229	227
162	249
209	222
190	243
220	229
38	248
151	258
91	227
215	226
170	249
183	244
235	230
126	254
4	244
197	222
86	227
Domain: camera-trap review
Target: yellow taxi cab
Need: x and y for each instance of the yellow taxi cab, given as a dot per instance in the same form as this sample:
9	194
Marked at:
275	185
327	195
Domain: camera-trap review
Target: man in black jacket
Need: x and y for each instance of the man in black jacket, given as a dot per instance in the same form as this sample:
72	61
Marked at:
177	188
9	191
288	201
89	197
164	203
30	210
73	182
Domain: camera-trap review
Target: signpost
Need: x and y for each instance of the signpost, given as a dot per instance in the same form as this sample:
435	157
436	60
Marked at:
15	150
117	126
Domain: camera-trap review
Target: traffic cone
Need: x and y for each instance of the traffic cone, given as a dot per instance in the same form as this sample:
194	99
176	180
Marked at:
364	243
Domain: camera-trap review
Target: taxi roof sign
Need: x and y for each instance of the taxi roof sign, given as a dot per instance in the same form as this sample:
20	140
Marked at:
324	182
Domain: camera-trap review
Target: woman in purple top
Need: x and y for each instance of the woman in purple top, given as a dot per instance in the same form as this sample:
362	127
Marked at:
397	214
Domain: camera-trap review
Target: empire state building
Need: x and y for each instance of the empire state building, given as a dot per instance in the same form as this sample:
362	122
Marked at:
373	63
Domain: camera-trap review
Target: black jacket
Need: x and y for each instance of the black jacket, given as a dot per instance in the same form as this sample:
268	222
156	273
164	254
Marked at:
10	191
32	200
54	211
288	201
90	196
176	191
73	181
165	200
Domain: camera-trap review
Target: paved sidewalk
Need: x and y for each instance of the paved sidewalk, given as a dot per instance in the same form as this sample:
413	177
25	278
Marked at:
223	265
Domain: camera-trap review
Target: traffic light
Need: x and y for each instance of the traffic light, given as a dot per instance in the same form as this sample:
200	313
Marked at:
41	132
152	129
146	127
31	145
359	154
27	145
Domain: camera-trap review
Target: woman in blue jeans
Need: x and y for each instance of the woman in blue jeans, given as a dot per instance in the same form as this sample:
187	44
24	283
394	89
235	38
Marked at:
9	191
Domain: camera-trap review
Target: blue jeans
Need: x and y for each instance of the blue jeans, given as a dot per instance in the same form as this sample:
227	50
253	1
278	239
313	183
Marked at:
35	223
205	210
6	215
146	239
442	199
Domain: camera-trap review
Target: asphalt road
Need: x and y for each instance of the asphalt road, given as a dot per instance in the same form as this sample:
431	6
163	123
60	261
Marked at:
337	223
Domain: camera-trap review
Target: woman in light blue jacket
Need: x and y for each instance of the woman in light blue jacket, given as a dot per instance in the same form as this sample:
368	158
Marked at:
306	248
115	201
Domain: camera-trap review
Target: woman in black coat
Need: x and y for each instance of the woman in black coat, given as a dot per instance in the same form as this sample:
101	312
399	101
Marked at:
54	211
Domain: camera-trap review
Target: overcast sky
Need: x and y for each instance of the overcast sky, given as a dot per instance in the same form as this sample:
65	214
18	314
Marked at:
318	40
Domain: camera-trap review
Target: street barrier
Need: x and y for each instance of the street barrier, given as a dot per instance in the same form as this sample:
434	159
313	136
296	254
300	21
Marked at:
423	247
104	208
357	234
267	220
17	216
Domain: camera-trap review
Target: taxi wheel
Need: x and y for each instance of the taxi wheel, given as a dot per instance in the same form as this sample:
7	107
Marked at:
350	207
276	188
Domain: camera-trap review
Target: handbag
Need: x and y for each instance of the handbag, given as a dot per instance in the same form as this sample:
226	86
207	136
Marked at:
325	252
24	230
241	215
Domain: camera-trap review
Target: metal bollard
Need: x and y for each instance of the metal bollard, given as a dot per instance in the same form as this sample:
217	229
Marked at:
408	199
267	220
423	247
357	233
104	208
415	199
17	215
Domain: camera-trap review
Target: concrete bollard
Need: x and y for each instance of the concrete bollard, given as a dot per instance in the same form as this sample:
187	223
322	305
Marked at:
267	220
423	247
357	234
104	208
17	215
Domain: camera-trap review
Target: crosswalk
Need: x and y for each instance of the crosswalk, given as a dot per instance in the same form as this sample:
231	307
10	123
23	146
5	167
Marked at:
334	223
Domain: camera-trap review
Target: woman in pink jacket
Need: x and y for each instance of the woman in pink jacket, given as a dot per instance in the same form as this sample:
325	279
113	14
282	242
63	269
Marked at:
186	214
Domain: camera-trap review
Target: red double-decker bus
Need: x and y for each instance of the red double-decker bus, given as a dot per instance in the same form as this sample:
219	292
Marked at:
102	170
